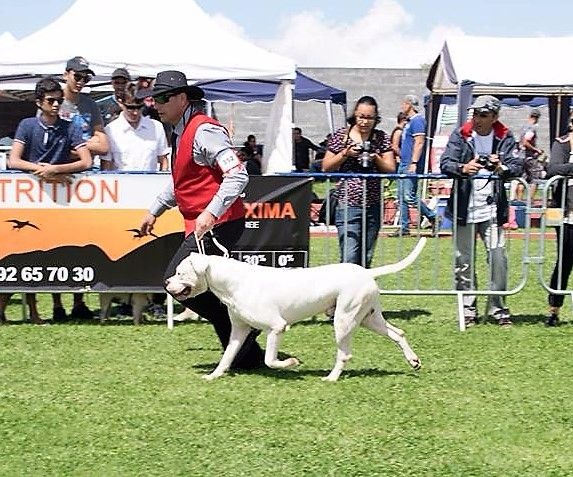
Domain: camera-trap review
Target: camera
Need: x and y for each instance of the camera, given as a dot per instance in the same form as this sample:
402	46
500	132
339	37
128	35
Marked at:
364	151
485	161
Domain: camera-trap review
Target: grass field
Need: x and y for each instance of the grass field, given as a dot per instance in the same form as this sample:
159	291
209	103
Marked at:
83	399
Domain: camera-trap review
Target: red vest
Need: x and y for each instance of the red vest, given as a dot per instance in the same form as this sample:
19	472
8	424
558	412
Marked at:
196	185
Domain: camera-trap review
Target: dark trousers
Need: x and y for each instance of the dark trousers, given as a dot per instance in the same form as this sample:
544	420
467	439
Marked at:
566	265
207	305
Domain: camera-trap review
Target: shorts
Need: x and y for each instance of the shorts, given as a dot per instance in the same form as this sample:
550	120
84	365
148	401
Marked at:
532	170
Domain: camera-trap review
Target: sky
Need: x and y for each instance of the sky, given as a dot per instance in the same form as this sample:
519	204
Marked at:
353	33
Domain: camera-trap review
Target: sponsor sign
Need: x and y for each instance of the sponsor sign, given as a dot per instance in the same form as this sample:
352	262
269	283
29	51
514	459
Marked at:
84	235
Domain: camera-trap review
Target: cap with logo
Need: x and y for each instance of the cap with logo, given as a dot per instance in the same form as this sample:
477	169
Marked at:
486	104
79	64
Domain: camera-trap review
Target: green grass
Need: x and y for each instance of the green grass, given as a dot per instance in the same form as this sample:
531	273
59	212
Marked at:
82	399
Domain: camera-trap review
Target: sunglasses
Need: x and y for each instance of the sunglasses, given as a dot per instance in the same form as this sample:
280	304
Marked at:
483	115
133	107
80	77
164	98
51	100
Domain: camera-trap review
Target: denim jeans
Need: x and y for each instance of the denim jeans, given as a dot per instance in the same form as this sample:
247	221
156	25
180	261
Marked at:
408	197
352	233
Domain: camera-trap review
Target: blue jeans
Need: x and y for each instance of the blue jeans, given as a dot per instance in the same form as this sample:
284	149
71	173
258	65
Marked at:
352	233
408	197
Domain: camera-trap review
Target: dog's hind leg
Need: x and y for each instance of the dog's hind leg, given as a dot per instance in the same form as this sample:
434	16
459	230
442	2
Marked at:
376	322
274	337
239	333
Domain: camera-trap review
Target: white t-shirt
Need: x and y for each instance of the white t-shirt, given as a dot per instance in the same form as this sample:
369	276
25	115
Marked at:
481	205
135	149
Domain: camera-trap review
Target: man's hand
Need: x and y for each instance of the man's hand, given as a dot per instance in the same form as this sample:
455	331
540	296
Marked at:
46	172
472	167
147	224
204	223
412	167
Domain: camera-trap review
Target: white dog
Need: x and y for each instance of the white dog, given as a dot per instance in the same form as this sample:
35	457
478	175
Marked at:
138	301
270	299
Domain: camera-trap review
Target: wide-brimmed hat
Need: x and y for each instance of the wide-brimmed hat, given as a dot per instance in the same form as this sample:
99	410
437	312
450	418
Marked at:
172	82
486	104
79	64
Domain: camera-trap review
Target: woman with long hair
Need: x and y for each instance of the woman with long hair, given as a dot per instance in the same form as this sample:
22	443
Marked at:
361	148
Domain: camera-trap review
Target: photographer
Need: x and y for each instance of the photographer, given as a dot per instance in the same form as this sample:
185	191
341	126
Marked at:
359	148
483	147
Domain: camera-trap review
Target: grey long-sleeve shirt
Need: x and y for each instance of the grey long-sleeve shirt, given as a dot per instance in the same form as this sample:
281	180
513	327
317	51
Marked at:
211	148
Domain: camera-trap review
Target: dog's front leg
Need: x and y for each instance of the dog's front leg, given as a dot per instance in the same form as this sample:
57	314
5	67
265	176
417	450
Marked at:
239	333
274	338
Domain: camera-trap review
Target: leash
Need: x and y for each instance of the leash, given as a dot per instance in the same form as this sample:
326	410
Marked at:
201	245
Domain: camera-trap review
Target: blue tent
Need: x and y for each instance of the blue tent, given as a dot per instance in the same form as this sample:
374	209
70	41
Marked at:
252	91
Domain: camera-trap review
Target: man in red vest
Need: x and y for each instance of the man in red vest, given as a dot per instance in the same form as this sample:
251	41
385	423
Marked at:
208	178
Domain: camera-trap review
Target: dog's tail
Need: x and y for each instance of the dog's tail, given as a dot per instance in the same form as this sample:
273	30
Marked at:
405	262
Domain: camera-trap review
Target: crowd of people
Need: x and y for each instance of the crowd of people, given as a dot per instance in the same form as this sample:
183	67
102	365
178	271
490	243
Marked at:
210	174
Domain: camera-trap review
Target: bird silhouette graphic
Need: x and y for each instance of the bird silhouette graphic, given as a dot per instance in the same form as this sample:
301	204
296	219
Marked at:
137	233
20	224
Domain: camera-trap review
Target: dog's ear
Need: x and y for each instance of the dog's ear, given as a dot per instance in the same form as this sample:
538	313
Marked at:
199	262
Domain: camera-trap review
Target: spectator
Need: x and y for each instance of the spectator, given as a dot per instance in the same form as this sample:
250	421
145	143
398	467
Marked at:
32	307
82	110
411	163
396	135
110	107
561	164
43	146
316	165
359	148
483	146
302	147
136	142
251	155
208	179
532	165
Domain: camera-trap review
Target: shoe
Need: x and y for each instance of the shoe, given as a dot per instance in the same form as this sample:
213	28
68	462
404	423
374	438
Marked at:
436	224
399	233
82	312
552	320
2	318
470	321
125	309
502	317
59	314
38	321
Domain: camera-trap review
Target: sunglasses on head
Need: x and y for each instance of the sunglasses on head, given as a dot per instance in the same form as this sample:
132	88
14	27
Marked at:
82	77
51	100
133	106
164	98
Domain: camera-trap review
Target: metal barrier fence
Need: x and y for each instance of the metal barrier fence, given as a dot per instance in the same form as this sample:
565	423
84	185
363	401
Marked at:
434	273
553	216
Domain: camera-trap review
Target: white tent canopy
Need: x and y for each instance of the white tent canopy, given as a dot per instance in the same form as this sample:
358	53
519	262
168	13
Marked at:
188	40
522	65
521	68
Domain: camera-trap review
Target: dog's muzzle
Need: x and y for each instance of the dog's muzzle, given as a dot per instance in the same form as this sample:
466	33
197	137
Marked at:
178	290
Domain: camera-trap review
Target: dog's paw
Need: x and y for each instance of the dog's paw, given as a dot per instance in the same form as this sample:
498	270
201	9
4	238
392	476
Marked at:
330	379
210	377
415	363
291	362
